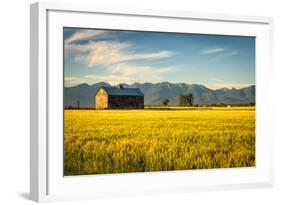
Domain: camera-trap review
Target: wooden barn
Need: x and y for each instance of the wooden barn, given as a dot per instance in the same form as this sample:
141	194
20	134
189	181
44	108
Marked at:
119	98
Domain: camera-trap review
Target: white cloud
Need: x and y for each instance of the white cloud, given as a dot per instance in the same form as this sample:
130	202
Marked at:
123	73
118	59
84	35
216	80
111	52
139	73
111	79
71	81
219	53
229	85
129	70
225	55
212	51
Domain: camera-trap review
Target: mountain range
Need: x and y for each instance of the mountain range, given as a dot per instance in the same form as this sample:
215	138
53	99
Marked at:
155	93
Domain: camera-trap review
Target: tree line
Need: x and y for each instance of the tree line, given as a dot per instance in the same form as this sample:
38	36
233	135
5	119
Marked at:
184	100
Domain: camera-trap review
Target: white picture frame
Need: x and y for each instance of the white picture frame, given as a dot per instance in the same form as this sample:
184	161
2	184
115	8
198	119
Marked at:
47	182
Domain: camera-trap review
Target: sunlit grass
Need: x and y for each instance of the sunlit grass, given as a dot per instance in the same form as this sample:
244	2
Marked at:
116	141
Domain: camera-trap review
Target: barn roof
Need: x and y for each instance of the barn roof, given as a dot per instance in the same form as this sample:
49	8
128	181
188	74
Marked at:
122	91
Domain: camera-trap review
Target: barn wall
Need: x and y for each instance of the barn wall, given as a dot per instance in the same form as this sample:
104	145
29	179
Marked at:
125	102
101	100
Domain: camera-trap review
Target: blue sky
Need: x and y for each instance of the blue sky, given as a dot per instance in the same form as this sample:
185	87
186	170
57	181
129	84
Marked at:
94	55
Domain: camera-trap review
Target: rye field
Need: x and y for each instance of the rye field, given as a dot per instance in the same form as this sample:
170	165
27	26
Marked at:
122	141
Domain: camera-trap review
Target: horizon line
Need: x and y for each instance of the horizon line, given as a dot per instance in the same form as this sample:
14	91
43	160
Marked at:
159	83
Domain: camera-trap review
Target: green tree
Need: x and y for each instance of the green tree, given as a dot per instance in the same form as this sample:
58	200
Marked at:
183	99
190	99
166	102
186	99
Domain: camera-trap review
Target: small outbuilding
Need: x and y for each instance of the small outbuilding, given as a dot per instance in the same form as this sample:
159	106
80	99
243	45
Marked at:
119	98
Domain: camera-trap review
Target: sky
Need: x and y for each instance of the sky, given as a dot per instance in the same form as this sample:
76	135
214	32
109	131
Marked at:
114	56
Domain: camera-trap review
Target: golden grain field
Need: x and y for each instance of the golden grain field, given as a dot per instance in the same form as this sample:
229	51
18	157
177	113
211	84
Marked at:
117	141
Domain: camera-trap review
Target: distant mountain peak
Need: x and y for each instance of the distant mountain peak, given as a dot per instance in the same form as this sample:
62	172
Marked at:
82	85
154	93
164	82
100	83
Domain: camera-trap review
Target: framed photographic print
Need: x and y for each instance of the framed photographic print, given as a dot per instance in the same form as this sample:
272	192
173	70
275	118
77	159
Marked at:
127	102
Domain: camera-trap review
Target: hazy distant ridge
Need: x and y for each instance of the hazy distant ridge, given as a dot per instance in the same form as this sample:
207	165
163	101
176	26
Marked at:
155	93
